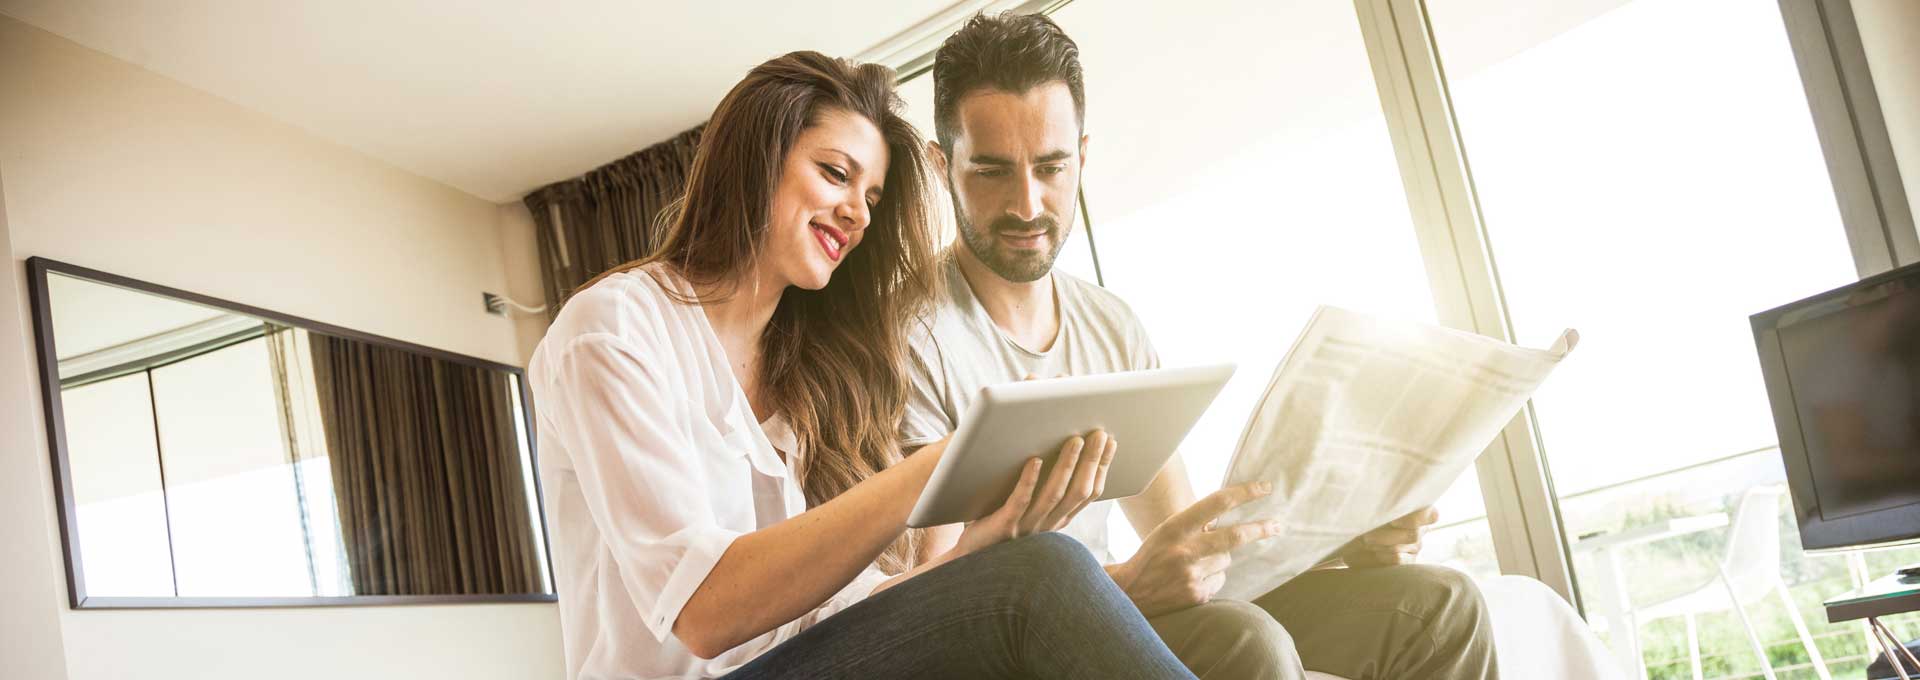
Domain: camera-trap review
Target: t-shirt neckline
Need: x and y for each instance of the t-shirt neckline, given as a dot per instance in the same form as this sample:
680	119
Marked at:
979	309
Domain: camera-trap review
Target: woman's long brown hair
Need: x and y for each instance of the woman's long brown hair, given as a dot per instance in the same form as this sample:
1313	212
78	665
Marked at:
833	361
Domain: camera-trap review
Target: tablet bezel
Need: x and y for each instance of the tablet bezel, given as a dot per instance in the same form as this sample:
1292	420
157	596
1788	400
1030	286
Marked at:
971	480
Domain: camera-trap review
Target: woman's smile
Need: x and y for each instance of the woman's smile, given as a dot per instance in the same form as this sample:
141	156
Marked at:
832	240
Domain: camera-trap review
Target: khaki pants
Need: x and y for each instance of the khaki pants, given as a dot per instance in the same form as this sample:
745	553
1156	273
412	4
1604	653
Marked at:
1414	622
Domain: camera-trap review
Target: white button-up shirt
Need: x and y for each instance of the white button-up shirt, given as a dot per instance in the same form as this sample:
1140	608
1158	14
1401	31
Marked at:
651	464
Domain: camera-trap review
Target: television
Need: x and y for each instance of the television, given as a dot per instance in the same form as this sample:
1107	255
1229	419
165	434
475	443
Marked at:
1842	371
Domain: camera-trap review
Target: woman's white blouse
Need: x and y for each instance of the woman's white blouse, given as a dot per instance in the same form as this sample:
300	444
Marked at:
651	464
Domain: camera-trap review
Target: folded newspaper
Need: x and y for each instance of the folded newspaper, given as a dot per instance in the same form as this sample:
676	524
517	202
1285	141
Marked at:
1367	420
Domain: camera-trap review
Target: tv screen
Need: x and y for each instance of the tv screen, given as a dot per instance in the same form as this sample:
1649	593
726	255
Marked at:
1843	374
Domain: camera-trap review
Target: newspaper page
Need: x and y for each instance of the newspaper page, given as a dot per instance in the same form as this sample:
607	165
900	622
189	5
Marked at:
1367	420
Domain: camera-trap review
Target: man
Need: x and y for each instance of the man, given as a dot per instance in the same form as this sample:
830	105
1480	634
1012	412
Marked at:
1008	106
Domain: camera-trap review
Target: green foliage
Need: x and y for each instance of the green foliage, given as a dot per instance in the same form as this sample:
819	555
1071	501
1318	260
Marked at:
1665	568
1662	569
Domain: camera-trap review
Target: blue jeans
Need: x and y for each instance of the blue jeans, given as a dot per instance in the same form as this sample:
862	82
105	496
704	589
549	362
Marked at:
1033	607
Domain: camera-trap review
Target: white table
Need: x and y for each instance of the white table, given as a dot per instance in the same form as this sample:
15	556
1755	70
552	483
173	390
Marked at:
1613	602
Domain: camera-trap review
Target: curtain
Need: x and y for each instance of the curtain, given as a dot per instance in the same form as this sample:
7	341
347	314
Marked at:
426	472
606	217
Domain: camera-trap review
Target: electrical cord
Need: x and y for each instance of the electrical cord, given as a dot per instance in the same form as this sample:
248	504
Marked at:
499	304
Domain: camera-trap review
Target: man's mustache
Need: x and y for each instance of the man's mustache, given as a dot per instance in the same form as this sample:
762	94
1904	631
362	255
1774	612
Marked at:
1016	225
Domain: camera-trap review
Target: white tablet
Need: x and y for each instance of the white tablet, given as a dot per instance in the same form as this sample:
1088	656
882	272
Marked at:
1148	412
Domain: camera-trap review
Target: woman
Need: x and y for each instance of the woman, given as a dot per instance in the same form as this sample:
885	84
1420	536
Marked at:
718	428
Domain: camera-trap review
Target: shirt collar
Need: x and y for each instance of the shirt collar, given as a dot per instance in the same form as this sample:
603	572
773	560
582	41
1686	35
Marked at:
746	432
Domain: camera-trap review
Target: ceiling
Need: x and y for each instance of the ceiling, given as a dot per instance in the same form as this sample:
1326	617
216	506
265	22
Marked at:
505	96
492	97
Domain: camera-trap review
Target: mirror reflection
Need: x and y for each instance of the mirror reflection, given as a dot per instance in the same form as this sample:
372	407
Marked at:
212	454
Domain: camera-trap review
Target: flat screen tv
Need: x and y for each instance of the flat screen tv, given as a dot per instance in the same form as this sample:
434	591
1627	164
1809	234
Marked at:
1842	370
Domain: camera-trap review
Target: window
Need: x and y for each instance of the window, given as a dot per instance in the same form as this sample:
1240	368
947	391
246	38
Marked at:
1652	187
236	516
1238	178
121	508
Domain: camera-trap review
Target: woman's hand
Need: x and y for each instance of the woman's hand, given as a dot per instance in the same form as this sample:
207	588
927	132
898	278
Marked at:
1079	476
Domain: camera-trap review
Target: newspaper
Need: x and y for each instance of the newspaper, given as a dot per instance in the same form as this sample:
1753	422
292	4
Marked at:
1367	420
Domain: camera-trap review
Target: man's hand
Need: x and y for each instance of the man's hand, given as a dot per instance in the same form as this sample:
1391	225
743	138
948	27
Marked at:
1183	562
1396	543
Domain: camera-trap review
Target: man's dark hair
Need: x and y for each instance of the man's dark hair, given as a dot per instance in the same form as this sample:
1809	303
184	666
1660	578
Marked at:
1008	52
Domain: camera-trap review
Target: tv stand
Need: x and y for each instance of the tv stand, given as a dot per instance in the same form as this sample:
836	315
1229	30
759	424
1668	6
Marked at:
1896	593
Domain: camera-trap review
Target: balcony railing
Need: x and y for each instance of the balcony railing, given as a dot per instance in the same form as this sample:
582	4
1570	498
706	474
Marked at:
1675	563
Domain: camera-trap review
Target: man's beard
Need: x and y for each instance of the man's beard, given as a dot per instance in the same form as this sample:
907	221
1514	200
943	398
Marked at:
1022	267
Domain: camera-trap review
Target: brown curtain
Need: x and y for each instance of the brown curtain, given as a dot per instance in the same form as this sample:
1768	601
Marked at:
606	217
426	472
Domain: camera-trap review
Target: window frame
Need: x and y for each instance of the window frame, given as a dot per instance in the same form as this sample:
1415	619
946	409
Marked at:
1523	510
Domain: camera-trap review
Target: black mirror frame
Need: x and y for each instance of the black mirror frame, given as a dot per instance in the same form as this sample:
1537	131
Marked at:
38	268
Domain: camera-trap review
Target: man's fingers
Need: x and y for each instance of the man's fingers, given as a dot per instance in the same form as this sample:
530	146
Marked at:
1395	555
1211	585
1209	565
1225	539
1401	548
1383	555
1196	517
1418	518
1391	535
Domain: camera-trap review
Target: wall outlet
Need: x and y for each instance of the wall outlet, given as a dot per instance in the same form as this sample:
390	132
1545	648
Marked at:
496	305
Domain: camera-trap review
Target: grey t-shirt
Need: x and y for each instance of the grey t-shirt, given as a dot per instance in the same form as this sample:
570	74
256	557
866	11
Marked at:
960	350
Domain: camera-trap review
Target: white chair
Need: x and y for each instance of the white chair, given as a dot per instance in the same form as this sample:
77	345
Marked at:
1749	570
1538	635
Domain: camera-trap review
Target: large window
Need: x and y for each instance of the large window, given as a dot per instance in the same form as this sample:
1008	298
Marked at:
119	498
1226	207
231	491
1649	174
1238	178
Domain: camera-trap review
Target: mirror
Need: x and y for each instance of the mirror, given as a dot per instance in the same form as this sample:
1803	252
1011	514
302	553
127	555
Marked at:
212	454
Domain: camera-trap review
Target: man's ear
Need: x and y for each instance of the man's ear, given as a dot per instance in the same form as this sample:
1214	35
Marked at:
1083	152
939	158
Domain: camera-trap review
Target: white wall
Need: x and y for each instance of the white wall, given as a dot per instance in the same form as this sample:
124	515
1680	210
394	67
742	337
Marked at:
522	254
31	587
1890	34
109	166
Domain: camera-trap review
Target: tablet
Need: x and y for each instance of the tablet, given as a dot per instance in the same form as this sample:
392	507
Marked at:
1148	412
